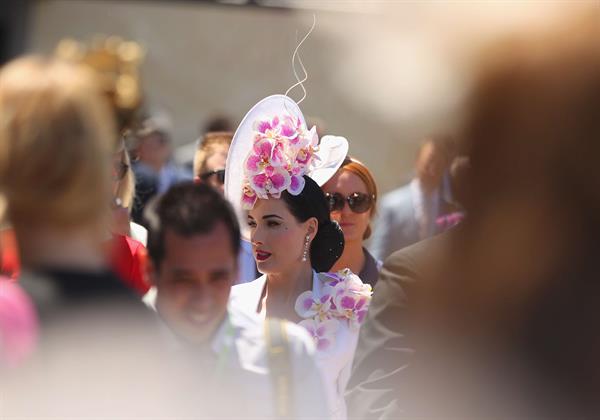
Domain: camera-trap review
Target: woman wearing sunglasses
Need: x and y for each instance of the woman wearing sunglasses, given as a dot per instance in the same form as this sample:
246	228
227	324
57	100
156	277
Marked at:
352	196
209	160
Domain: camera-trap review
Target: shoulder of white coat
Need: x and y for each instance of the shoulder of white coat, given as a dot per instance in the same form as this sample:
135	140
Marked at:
245	295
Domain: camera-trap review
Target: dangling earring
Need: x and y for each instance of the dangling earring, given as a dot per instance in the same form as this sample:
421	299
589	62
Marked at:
306	246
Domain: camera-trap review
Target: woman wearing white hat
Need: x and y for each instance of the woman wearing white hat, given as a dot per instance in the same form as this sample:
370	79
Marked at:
275	166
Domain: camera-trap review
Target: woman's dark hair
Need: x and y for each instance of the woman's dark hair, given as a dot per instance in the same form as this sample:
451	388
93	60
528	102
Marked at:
328	245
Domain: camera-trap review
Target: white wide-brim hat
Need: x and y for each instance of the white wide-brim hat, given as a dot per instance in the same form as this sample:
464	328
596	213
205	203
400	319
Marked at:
329	157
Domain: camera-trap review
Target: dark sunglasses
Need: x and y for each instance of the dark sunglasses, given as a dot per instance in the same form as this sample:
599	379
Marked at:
358	202
119	171
219	173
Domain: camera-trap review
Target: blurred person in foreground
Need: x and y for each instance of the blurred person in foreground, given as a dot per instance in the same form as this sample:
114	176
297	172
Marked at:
153	168
408	214
209	167
352	197
508	323
127	255
385	351
253	368
97	353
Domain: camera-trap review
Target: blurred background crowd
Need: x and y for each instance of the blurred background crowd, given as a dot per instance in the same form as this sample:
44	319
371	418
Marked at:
469	201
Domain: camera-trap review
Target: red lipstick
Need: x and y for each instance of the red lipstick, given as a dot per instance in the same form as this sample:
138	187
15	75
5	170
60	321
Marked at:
262	255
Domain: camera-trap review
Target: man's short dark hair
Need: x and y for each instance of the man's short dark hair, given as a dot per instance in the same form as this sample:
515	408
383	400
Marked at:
189	209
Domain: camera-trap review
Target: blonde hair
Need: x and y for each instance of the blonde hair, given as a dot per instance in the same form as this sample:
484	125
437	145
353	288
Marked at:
57	133
359	169
208	146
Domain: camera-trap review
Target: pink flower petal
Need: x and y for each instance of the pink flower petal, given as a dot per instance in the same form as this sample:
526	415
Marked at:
307	304
301	307
296	185
262	126
248	201
263	148
252	163
321	330
259	181
323	344
278	180
360	316
347	302
361	302
288	131
277	156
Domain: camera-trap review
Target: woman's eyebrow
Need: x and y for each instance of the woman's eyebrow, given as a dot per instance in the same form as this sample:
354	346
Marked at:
267	216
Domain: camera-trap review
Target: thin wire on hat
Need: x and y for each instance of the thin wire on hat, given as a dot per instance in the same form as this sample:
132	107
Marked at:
300	82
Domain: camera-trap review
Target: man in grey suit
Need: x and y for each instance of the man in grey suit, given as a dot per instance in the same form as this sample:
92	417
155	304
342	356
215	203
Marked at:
408	214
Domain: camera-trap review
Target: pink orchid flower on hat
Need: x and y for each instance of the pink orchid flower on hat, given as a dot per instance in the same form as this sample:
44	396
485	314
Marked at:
265	152
249	197
279	158
271	182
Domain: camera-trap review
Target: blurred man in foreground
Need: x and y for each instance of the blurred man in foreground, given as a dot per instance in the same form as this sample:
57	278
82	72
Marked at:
506	313
249	367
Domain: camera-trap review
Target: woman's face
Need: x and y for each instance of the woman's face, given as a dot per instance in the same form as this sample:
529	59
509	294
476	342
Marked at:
354	225
277	237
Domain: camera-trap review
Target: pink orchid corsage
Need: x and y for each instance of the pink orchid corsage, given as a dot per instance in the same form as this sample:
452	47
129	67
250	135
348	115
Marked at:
344	298
281	154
